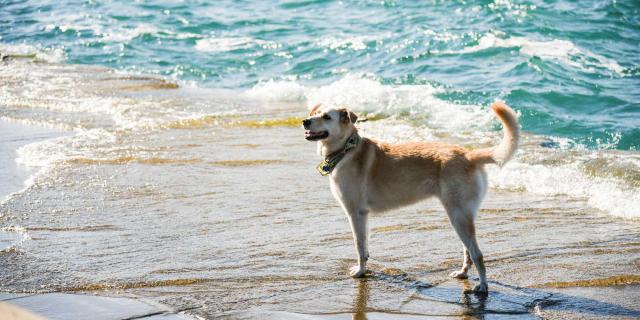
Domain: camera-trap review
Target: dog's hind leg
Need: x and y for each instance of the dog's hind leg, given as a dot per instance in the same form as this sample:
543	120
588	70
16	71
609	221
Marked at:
359	227
466	263
462	222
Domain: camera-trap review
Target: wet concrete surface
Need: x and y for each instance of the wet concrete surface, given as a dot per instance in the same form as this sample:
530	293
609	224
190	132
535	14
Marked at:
54	306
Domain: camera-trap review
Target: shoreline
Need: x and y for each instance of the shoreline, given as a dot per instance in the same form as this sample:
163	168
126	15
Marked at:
14	176
13	136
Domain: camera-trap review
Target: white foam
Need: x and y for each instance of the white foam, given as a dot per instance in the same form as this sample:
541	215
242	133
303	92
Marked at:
606	194
514	9
126	34
278	91
355	43
42	156
364	94
559	50
72	92
221	44
74	26
369	96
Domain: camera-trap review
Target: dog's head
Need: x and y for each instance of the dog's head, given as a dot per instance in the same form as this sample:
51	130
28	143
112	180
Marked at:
328	124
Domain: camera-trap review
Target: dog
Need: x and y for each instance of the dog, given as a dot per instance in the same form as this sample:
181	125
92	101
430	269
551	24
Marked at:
367	176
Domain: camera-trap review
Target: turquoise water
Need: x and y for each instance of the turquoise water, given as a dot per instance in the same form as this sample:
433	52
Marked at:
571	68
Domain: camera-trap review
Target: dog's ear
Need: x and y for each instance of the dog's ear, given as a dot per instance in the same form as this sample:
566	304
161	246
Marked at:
353	117
314	109
347	116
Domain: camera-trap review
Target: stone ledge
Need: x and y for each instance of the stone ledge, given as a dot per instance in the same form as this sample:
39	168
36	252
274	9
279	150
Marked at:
54	306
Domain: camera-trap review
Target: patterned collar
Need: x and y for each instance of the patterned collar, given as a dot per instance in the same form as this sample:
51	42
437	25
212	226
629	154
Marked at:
331	161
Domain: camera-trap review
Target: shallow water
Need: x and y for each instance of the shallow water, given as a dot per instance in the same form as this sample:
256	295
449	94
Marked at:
155	194
201	193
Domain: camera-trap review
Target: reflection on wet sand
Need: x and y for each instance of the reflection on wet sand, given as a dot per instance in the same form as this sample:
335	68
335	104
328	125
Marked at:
360	301
471	309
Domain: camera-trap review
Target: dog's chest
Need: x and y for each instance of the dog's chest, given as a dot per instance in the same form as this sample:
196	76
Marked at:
346	186
339	188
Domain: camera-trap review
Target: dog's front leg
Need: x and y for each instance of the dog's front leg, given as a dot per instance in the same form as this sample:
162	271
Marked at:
358	220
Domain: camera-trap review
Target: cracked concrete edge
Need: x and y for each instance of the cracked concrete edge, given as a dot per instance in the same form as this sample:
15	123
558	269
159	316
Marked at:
11	312
5	296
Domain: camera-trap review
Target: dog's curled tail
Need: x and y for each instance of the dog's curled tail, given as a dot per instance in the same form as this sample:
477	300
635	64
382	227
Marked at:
501	153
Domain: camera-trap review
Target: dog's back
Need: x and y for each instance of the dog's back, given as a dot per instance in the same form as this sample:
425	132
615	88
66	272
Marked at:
402	174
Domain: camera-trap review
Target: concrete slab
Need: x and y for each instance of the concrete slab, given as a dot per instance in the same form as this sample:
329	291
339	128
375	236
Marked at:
9	312
61	306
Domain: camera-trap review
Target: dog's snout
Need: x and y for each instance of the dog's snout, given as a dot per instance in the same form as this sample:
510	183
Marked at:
306	123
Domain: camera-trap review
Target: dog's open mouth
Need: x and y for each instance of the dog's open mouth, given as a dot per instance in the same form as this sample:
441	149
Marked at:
313	136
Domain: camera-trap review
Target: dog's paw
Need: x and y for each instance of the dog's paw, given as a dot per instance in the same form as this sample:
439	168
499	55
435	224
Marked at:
482	288
458	275
357	272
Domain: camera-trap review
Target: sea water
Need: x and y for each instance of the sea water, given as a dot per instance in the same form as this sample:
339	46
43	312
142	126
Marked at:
183	172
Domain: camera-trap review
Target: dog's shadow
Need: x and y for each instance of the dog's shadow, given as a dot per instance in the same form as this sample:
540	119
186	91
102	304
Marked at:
457	297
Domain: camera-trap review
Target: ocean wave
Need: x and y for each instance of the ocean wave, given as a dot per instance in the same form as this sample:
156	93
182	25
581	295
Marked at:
278	91
116	34
366	95
605	193
126	34
355	43
222	44
98	29
42	156
88	97
560	50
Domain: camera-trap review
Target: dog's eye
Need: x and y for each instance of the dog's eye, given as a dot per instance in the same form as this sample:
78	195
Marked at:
326	117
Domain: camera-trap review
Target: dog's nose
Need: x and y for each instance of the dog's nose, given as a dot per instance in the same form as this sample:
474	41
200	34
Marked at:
306	123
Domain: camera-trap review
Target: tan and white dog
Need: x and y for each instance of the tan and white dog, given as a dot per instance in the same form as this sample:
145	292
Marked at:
369	176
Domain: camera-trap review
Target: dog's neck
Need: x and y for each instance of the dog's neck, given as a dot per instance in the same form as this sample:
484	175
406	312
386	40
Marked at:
326	148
